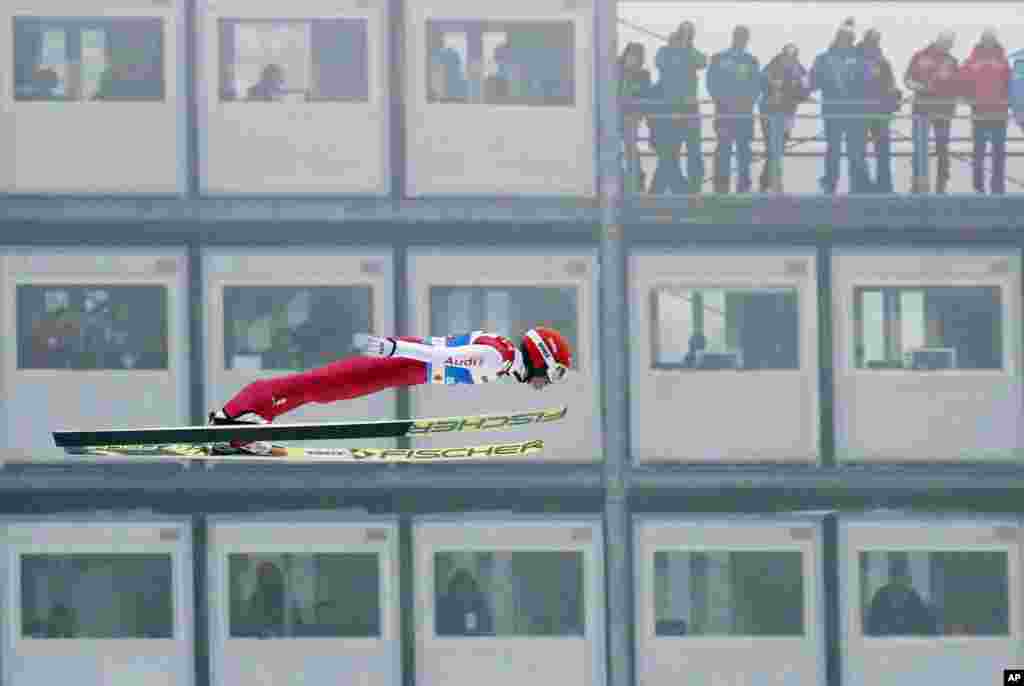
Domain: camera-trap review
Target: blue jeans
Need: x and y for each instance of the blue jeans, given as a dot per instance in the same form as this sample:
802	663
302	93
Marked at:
879	134
738	133
854	130
986	132
668	140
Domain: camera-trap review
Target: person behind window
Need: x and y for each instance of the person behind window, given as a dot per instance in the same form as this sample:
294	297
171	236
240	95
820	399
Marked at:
734	85
447	80
62	622
634	82
270	87
784	85
266	605
897	609
839	74
986	85
463	610
678	64
932	77
44	85
883	99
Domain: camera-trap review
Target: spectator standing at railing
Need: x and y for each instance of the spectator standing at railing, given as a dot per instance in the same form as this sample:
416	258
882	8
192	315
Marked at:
678	65
634	83
734	85
1017	86
932	76
840	74
784	85
883	100
986	85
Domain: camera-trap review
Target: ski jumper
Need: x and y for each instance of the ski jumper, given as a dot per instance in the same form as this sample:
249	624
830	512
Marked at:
477	357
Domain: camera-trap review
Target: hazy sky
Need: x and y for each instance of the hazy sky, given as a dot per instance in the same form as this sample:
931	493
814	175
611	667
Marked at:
905	26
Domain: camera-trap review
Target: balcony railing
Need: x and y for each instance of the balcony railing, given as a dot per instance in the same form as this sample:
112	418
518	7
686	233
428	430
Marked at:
793	161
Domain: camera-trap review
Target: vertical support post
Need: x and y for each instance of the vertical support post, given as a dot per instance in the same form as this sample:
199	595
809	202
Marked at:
396	90
196	333
919	155
614	352
826	359
191	79
776	149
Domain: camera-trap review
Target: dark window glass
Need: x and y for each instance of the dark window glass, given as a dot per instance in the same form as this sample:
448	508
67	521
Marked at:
508	311
97	596
521	593
729	593
286	327
309	60
94	58
95	326
500	62
928	328
922	593
717	328
297	595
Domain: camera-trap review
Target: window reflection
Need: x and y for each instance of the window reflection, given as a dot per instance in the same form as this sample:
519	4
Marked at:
714	328
96	596
522	593
918	593
721	593
294	595
928	328
311	60
92	327
88	59
508	311
500	63
284	327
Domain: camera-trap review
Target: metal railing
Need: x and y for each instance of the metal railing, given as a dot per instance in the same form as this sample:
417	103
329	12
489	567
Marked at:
779	147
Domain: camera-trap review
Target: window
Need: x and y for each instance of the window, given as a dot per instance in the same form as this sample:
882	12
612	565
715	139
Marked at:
96	596
928	328
716	328
284	327
297	595
722	593
92	327
522	593
509	311
312	60
919	593
500	63
88	59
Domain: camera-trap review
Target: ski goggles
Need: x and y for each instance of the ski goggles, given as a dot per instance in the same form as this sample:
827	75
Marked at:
556	371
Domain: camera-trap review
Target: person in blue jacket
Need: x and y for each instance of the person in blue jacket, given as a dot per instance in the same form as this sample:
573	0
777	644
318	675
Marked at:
734	84
679	64
840	74
1017	86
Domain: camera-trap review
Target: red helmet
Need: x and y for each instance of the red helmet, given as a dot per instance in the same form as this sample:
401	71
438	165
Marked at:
548	350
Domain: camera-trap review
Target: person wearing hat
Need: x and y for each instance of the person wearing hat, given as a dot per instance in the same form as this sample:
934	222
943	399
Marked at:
986	81
839	73
932	77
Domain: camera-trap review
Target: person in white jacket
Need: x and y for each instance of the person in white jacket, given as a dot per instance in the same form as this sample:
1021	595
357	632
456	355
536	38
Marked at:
542	357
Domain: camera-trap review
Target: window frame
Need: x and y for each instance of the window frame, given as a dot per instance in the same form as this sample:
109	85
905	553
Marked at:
488	25
220	329
858	285
655	287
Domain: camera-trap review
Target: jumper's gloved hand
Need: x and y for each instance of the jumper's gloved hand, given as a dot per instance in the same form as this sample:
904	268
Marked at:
377	346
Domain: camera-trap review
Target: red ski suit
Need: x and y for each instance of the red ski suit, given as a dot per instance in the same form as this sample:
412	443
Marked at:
353	377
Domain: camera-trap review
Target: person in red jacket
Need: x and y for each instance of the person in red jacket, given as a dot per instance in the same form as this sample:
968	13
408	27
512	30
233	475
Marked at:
986	85
932	76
